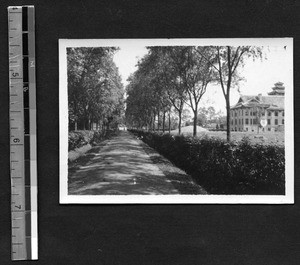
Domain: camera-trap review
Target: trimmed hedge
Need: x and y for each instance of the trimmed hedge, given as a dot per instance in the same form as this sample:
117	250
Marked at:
78	139
221	167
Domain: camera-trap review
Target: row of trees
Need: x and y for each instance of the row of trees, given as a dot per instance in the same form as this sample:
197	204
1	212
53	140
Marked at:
170	77
95	90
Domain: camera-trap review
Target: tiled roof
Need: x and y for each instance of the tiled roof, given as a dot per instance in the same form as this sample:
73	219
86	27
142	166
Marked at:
269	102
276	92
274	100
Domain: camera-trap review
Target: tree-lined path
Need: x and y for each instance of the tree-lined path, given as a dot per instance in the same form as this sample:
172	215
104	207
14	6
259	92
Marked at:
124	165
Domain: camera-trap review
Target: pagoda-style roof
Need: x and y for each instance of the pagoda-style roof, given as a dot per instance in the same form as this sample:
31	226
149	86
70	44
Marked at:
276	92
278	89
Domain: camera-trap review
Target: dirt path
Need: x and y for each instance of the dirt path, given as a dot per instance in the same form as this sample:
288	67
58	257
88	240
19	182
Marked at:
124	165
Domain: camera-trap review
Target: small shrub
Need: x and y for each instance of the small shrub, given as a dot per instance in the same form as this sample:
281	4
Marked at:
78	139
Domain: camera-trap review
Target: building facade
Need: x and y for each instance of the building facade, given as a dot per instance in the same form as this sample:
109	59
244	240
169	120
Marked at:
252	111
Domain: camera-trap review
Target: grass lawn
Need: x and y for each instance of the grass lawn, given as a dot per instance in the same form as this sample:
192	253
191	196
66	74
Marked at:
265	138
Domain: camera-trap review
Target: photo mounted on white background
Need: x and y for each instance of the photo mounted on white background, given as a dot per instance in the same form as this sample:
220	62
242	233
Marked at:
176	121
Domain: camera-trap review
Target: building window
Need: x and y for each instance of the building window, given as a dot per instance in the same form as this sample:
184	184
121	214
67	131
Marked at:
263	113
276	113
254	121
269	129
276	121
269	113
269	121
282	121
247	121
247	129
283	113
235	113
246	112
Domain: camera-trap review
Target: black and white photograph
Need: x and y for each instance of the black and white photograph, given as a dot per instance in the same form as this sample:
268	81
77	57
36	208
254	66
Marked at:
176	120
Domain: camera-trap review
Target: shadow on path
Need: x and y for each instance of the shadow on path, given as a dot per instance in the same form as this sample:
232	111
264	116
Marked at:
120	166
180	180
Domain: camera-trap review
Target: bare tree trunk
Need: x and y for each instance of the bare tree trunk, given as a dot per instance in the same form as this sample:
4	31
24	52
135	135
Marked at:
180	118
228	117
195	123
158	116
170	121
151	124
164	120
179	122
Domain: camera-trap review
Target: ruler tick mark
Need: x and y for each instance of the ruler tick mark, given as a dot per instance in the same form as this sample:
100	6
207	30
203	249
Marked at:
21	59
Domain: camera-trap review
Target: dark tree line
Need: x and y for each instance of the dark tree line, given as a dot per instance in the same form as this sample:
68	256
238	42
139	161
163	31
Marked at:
170	77
95	90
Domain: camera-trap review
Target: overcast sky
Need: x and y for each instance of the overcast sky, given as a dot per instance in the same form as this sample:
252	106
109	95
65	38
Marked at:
260	75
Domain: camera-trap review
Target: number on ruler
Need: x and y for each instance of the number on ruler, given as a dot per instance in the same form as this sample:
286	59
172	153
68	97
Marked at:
15	74
16	140
18	206
25	88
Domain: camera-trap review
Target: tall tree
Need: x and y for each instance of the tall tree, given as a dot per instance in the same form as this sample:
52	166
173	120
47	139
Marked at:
226	60
198	74
95	90
171	74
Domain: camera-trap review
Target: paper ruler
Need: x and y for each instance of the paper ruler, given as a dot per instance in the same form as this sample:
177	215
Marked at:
23	156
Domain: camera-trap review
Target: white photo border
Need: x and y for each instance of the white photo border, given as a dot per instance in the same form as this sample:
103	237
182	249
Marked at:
64	198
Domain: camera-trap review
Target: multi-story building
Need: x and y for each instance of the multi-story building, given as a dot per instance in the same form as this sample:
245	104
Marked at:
251	112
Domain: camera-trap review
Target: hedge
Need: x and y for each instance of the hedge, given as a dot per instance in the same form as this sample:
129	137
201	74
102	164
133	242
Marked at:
223	167
78	139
